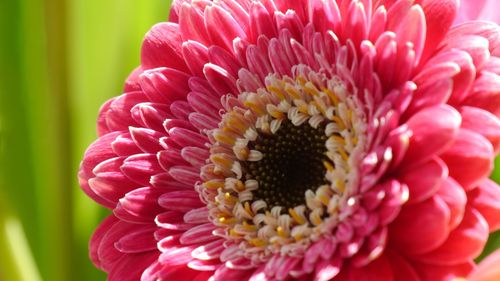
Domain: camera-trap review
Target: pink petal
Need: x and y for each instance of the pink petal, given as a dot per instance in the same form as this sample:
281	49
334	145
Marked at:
402	268
181	201
422	187
456	199
199	234
140	167
464	243
162	47
421	227
97	236
139	241
485	198
378	270
439	15
130	268
432	272
190	22
431	138
482	122
217	19
470	159
139	205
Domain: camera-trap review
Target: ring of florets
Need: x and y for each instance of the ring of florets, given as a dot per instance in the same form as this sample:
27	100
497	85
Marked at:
283	161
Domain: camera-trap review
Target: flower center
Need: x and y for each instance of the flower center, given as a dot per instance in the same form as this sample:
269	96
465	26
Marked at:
292	163
283	163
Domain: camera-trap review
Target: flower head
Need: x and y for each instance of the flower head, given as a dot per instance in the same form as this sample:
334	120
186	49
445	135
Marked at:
313	139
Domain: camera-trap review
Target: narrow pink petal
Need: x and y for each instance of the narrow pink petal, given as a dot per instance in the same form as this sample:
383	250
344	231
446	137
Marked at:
118	116
162	47
217	19
110	182
402	268
176	256
421	188
130	268
378	270
138	241
96	239
190	22
172	220
485	93
146	139
470	159
464	243
184	137
195	156
439	16
261	22
132	81
327	269
151	115
204	104
485	199
421	227
433	138
140	167
208	251
181	201
199	234
224	59
432	272
140	205
102	126
220	79
413	29
195	55
164	85
454	196
482	122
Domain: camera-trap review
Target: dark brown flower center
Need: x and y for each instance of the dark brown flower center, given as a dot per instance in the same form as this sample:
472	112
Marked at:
292	163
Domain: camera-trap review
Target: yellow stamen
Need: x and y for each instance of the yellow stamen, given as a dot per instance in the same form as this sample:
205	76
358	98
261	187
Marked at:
339	122
296	216
324	199
254	107
230	198
257	242
248	209
303	108
343	153
224	220
220	160
292	92
224	138
310	89
214	184
281	232
276	91
328	166
340	185
338	139
331	95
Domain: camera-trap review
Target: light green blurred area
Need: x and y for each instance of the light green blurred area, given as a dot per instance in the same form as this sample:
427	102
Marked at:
59	61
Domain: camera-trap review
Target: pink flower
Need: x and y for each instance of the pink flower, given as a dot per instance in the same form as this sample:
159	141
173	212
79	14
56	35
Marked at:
309	140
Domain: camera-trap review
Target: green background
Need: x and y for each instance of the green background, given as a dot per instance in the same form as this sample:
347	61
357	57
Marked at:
59	61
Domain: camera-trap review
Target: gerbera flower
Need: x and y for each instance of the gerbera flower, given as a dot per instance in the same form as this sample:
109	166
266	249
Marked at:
311	140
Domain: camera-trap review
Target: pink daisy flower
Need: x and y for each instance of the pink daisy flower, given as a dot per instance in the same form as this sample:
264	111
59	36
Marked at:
308	140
